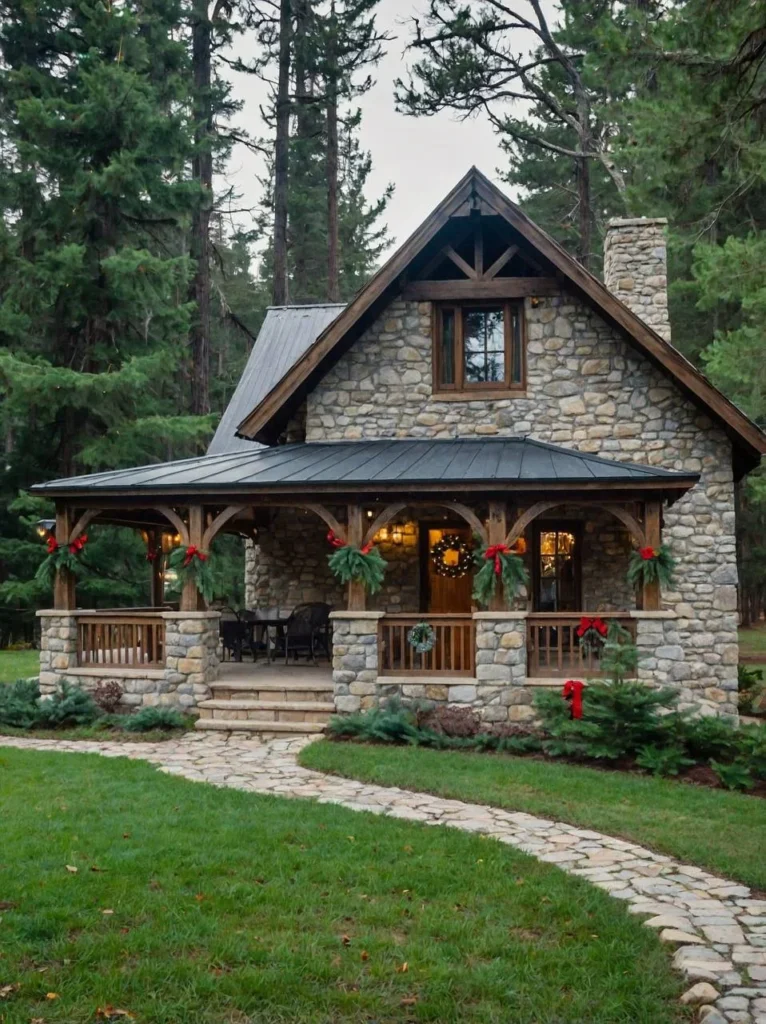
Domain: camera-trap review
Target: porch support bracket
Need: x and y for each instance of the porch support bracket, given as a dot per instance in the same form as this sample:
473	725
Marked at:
219	522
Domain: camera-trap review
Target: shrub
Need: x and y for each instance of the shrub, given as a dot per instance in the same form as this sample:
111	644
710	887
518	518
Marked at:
68	706
18	704
388	724
709	737
750	690
751	742
733	776
664	760
153	718
107	696
446	721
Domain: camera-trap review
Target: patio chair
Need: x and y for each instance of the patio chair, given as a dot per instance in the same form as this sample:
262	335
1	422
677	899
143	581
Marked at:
321	624
235	637
299	635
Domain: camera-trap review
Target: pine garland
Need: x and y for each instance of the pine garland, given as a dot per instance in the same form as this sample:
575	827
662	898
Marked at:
497	562
61	556
648	565
365	564
193	563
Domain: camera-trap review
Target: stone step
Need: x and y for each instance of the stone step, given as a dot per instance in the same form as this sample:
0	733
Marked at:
315	712
268	705
287	691
263	728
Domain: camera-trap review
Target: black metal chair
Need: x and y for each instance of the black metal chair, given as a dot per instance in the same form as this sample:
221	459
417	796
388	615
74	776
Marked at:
298	635
235	637
321	623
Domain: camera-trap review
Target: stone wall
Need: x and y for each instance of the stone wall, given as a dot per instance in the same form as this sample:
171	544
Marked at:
191	662
587	389
635	268
355	660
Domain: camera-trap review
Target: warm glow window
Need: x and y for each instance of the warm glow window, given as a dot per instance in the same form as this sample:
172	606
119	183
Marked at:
478	348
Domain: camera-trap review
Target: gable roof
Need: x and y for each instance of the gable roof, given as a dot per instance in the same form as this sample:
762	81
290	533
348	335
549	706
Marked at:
286	334
749	441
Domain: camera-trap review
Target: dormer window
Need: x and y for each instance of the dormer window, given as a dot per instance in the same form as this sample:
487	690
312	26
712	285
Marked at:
478	348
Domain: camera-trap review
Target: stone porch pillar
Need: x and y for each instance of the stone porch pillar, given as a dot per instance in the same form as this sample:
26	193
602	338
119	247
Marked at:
191	656
501	667
58	647
354	659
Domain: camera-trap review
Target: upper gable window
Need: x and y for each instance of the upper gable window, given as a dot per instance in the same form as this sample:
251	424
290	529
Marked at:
478	347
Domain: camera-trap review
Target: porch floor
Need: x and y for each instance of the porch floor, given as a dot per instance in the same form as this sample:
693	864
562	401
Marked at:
276	672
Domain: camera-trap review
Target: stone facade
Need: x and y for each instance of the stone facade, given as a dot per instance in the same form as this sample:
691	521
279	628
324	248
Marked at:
635	268
191	661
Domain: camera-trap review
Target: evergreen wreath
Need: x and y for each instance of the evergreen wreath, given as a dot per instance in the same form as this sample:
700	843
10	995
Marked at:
498	563
365	564
61	556
422	637
451	542
592	634
193	563
649	565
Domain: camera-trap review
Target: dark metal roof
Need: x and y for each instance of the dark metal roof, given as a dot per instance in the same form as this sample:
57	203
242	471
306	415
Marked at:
286	333
349	465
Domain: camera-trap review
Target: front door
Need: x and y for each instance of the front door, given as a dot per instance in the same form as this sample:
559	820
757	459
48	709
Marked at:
446	569
557	578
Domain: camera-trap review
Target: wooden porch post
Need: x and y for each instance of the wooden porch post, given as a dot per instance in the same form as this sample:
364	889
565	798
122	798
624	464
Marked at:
354	535
653	530
156	593
496	530
63	585
191	599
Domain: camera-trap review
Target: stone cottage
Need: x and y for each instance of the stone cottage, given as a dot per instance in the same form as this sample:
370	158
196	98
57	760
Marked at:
483	389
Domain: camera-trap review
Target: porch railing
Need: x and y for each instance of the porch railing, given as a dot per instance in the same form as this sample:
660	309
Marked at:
128	638
451	655
554	649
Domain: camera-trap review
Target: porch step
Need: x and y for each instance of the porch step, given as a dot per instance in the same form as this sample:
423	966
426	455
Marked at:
256	726
281	691
307	711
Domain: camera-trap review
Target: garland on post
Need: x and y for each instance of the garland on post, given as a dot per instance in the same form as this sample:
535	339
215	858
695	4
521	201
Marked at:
497	563
648	565
61	556
364	564
193	563
422	637
592	634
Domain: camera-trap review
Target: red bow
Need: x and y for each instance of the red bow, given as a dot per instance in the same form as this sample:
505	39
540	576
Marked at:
151	555
585	624
495	551
366	548
194	552
78	544
572	691
53	545
647	553
335	540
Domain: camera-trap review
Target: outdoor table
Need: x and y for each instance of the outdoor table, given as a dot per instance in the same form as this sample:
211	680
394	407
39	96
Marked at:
267	621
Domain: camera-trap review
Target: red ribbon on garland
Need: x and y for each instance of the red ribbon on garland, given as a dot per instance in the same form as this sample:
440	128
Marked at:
193	552
53	545
647	553
494	551
78	544
596	623
335	540
572	692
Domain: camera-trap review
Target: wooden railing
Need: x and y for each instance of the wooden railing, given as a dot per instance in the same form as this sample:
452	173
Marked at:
554	649
451	655
127	638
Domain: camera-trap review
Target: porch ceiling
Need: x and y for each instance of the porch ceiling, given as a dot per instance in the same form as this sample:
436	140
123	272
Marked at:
406	466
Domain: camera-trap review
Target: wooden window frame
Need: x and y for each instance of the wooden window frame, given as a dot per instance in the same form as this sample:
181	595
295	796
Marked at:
479	389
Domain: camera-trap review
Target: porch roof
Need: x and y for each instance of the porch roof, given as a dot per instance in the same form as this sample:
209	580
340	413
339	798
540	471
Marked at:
405	465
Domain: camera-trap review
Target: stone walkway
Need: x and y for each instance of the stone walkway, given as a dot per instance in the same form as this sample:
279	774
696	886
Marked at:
718	931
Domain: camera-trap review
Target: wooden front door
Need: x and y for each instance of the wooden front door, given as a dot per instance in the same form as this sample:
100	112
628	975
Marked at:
556	567
444	593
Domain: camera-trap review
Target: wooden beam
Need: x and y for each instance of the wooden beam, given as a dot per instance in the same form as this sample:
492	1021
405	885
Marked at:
382	518
478	250
82	522
63	585
496	530
495	288
191	599
157	586
355	533
501	261
459	262
653	529
220	521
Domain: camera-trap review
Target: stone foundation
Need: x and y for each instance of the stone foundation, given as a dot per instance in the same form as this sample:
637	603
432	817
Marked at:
191	661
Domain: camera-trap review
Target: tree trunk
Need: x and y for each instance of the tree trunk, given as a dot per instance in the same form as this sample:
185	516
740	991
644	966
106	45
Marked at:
300	158
282	159
333	274
584	219
202	172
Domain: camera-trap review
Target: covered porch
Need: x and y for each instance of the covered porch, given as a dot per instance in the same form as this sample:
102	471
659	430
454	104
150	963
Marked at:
425	505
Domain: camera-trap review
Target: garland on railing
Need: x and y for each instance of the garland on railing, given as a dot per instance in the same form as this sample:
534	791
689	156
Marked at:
592	634
193	563
648	565
61	556
497	563
365	565
422	637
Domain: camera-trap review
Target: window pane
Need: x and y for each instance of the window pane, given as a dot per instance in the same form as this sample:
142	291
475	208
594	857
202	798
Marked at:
516	376
484	346
447	353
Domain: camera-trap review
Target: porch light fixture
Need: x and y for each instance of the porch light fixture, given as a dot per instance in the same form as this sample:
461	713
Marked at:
397	535
382	533
44	527
170	541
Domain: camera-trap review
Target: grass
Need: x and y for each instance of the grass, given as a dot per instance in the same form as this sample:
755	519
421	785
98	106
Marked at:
191	903
718	830
753	641
99	733
18	665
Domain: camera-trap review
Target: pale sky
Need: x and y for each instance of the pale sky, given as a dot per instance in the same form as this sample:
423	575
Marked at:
423	157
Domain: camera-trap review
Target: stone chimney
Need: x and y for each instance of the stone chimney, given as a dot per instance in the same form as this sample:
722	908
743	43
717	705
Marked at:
636	268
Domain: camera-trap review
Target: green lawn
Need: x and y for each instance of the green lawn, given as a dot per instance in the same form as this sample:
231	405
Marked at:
18	665
194	904
753	641
718	830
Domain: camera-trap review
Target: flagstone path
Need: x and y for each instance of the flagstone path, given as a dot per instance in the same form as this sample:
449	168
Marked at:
717	929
